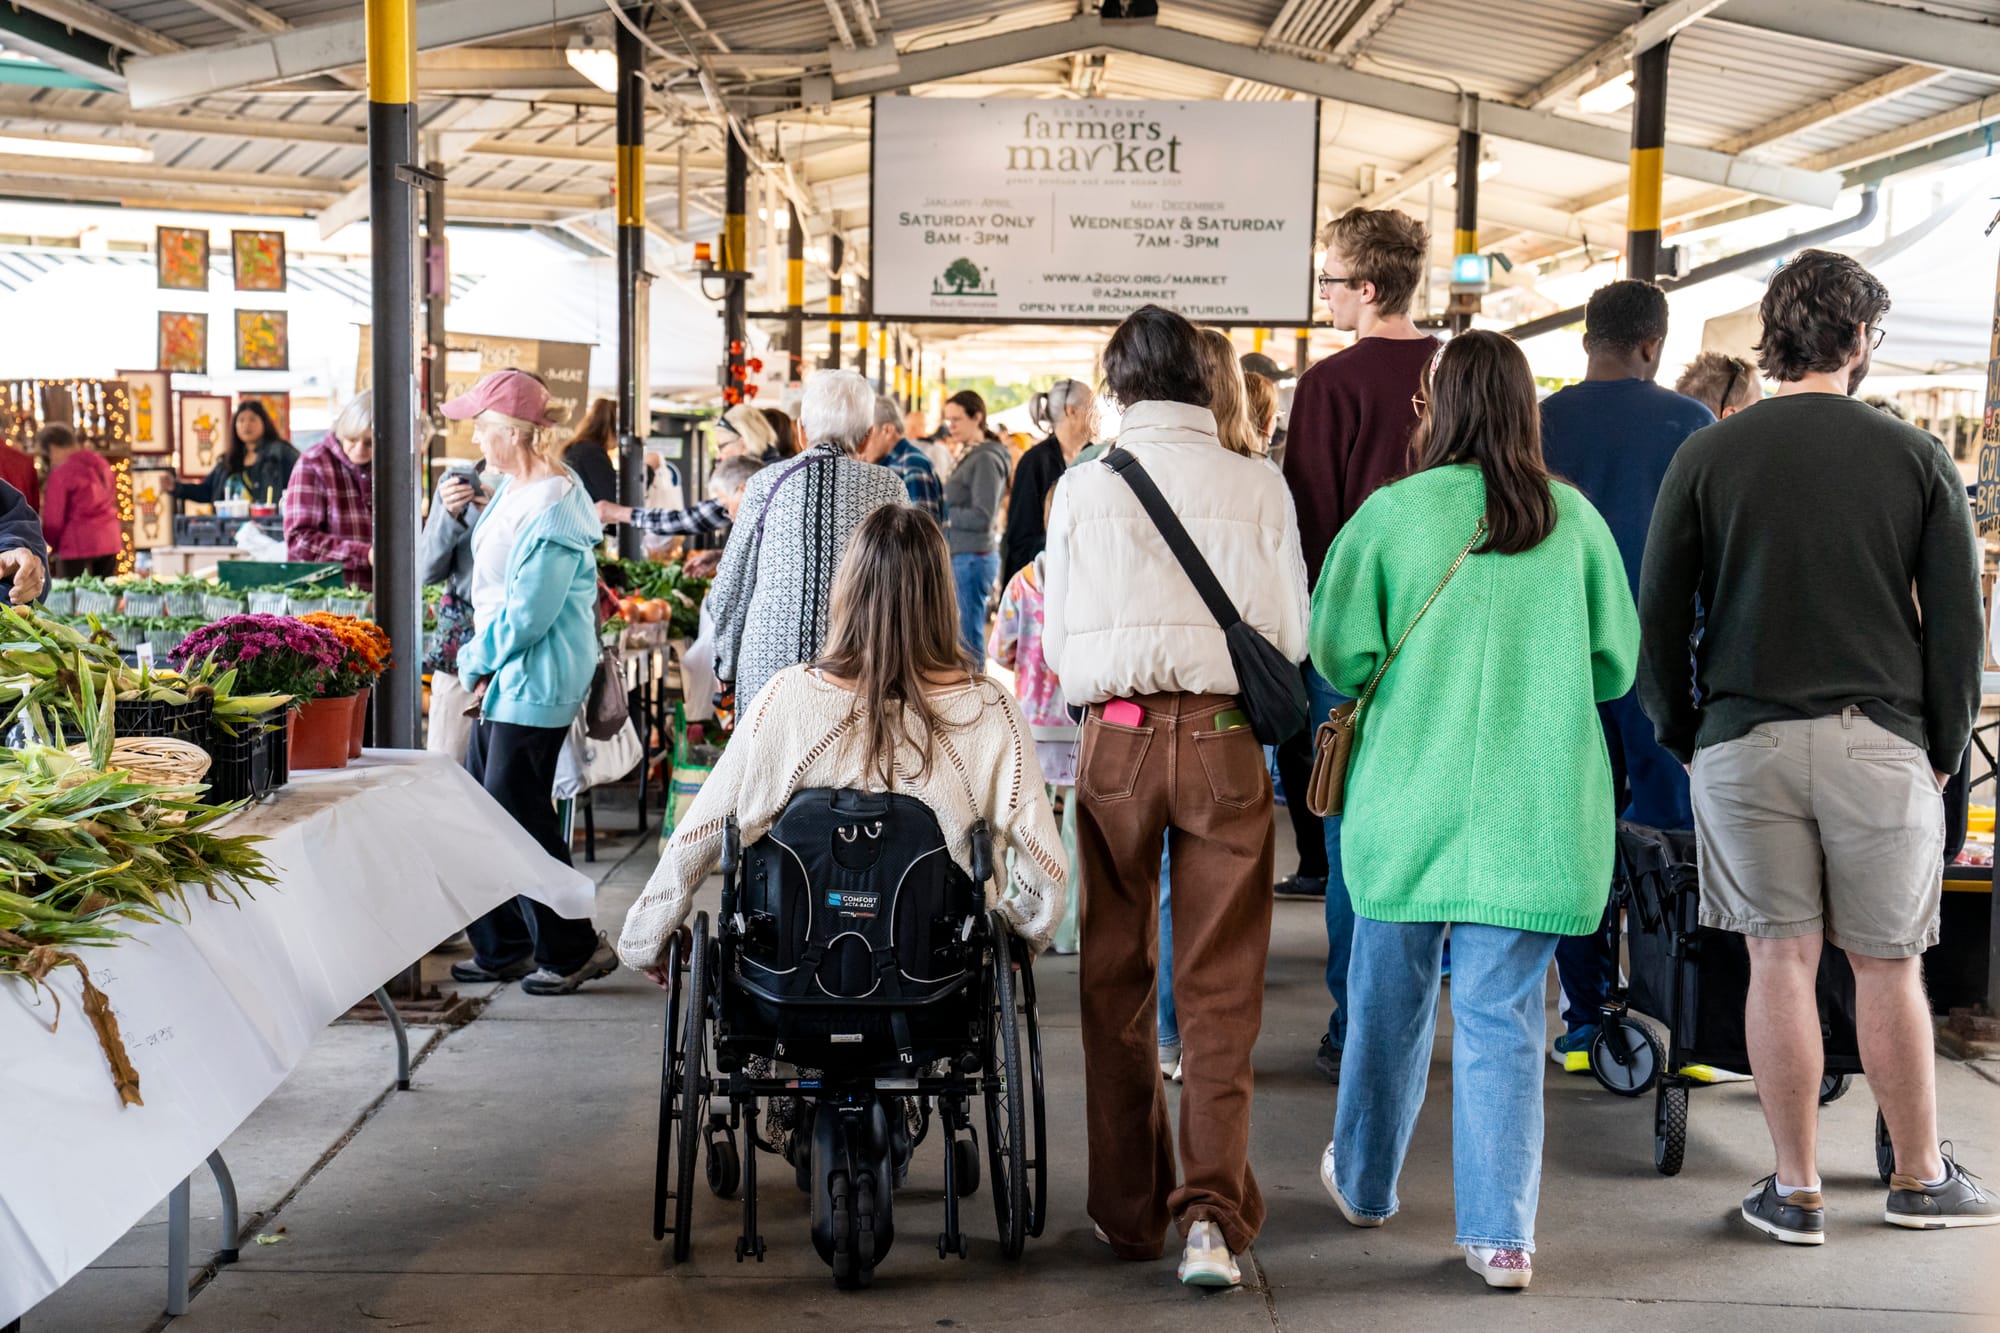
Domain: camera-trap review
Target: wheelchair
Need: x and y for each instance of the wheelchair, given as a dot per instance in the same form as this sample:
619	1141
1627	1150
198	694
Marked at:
857	988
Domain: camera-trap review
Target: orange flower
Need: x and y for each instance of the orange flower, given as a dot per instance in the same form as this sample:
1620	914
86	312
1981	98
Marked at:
365	644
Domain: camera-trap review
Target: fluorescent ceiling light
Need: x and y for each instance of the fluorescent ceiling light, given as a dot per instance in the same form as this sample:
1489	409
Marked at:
96	150
1607	97
1489	167
594	60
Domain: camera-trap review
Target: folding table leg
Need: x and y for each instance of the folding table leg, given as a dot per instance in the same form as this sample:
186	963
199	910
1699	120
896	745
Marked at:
177	1249
402	1037
232	1225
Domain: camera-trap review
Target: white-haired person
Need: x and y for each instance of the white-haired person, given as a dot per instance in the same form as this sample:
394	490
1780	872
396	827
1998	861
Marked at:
330	500
772	593
528	666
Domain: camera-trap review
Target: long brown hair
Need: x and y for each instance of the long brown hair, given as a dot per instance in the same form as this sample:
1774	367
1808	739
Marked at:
600	427
893	633
1480	408
1227	397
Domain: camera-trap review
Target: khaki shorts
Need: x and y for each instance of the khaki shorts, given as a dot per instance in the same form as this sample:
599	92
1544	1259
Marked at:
1831	825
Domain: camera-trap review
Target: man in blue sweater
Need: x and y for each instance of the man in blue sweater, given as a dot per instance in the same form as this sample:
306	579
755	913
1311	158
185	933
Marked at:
1612	436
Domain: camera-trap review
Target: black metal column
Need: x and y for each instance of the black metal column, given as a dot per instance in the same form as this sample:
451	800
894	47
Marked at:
836	301
795	293
1465	228
735	260
391	31
861	333
437	295
632	412
1649	168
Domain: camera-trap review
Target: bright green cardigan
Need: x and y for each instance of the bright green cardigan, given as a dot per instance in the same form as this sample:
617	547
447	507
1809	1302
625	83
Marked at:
1480	790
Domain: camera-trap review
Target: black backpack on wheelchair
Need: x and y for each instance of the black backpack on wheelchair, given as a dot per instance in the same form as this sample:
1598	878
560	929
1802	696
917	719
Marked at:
853	948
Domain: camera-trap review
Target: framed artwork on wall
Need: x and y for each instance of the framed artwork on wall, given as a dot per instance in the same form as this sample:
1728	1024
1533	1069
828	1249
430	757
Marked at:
278	403
181	254
262	341
258	260
152	507
202	433
183	342
152	416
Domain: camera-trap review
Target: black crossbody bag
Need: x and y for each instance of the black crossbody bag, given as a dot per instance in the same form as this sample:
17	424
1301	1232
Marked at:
1272	690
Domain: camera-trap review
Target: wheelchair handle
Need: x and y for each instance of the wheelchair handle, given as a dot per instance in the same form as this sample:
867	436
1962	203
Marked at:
982	853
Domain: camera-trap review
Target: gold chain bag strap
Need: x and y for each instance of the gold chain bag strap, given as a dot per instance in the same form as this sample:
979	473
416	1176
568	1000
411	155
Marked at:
1333	743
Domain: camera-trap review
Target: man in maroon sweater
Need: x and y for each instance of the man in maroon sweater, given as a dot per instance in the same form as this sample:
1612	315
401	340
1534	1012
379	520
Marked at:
1349	434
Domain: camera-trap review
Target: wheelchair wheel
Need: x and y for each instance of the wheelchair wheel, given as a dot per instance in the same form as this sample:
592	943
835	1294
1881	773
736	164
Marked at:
965	1169
694	1089
1670	1128
1885	1151
725	1168
1038	1165
1006	1114
1626	1057
1832	1087
670	1086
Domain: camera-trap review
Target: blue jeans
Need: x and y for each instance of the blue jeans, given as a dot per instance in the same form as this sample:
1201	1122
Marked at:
974	573
1651	788
1170	1028
1339	908
1498	1023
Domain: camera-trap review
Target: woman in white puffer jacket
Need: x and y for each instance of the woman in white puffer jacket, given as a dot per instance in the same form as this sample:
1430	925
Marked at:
1166	751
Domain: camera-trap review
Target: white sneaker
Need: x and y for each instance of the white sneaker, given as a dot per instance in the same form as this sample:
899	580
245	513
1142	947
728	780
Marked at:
1326	1178
1207	1262
1170	1062
1512	1269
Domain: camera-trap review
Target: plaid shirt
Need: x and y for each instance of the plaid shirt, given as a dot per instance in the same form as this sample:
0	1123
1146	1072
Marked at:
330	512
708	516
920	479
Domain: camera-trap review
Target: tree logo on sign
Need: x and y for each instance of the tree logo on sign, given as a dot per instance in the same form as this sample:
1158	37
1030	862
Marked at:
962	278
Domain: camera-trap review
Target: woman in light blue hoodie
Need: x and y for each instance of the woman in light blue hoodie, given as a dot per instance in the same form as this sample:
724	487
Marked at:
528	667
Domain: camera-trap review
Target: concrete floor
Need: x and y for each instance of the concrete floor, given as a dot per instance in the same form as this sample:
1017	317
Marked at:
511	1188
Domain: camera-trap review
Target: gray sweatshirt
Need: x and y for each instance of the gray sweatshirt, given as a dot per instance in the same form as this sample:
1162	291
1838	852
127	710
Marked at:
972	497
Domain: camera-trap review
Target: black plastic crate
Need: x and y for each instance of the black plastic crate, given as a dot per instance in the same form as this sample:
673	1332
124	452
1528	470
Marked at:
245	765
155	717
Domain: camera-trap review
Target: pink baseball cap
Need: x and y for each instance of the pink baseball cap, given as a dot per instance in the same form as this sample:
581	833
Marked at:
513	393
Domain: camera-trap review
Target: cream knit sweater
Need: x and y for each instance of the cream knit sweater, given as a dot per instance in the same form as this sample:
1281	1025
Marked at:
797	735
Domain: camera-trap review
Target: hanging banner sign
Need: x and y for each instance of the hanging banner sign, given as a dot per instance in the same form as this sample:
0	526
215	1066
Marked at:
1017	210
1986	496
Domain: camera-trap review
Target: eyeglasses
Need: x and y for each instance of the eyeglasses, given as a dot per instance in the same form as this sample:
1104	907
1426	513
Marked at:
1875	335
1327	280
1419	402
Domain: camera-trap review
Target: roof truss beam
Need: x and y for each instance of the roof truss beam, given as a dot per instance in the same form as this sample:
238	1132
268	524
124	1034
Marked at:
1889	31
155	80
101	23
1341	85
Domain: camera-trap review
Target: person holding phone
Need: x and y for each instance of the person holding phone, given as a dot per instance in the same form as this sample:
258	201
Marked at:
1167	753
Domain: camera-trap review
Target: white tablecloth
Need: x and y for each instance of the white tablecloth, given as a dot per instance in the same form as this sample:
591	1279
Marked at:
376	864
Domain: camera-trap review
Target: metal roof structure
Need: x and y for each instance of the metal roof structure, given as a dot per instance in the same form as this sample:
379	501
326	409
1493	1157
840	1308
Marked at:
256	106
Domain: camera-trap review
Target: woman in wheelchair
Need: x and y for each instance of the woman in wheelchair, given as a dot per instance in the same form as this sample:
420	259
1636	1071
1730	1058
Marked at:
847	945
891	705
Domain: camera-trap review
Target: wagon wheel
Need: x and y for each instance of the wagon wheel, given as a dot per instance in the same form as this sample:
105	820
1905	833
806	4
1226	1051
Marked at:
1670	1128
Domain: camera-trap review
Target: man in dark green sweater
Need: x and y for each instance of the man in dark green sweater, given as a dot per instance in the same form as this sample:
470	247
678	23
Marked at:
1831	691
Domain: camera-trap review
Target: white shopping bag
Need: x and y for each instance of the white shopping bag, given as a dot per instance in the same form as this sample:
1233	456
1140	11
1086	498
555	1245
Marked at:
585	763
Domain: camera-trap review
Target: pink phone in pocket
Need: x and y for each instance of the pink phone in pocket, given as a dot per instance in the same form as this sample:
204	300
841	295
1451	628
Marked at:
1124	713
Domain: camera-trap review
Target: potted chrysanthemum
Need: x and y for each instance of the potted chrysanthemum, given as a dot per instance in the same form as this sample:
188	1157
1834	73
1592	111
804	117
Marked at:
364	657
279	655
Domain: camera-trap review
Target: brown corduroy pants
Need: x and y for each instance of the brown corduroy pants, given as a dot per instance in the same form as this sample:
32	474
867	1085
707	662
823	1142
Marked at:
1208	793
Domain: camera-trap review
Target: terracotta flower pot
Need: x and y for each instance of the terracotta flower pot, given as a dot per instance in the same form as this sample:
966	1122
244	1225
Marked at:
319	733
360	722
